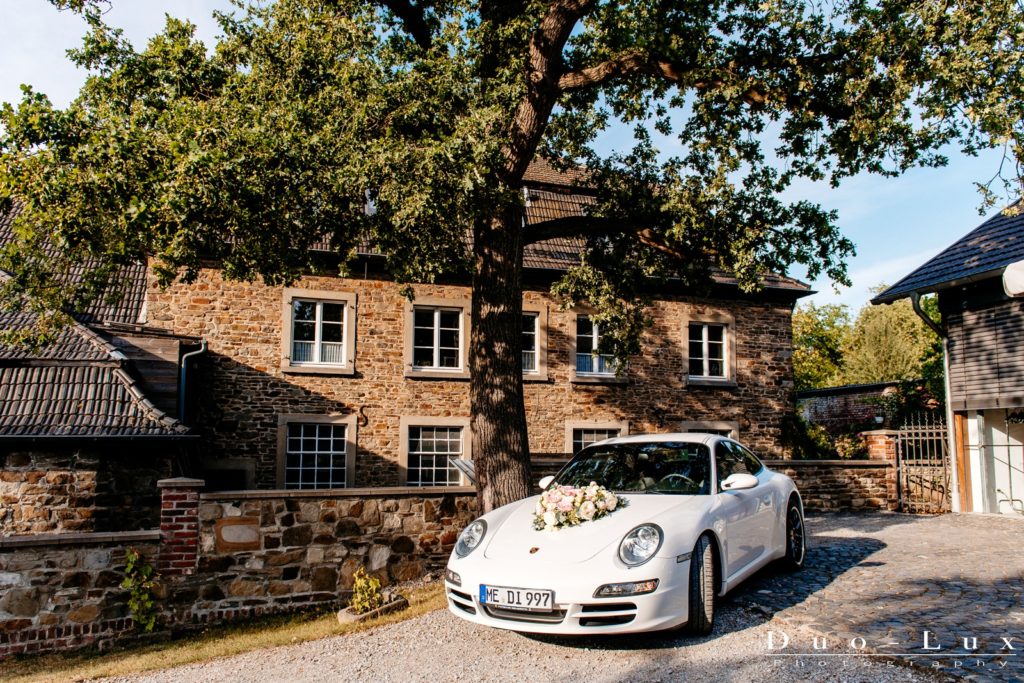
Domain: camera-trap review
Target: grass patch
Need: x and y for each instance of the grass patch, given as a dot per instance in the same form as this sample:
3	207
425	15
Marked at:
214	642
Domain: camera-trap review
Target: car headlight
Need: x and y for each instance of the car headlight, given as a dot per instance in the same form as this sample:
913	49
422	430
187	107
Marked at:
640	544
470	538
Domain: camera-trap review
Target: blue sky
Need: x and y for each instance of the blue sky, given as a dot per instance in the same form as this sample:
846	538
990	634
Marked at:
897	224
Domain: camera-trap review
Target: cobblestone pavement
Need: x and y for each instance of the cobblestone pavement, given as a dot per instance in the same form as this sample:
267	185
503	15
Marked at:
881	581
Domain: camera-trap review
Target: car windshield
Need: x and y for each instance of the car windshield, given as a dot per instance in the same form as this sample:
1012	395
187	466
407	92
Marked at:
661	467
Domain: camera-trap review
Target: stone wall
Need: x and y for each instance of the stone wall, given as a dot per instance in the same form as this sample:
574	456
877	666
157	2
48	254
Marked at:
245	389
78	489
62	592
303	550
842	485
224	556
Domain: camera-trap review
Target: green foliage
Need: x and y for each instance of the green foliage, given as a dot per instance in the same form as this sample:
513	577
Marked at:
366	593
140	582
886	344
818	333
807	441
274	141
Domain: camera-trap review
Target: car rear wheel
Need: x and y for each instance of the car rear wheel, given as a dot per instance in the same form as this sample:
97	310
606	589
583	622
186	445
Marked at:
702	589
796	542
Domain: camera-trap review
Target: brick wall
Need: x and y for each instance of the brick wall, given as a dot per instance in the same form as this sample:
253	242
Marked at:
244	388
78	489
839	408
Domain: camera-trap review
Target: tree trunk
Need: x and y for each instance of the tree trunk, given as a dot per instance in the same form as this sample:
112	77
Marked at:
501	451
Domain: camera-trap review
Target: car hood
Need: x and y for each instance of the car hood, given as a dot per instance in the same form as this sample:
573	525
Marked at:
514	538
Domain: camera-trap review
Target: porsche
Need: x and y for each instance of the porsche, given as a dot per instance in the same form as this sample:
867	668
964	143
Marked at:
699	514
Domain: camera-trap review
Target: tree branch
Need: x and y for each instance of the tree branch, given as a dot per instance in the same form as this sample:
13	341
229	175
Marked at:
413	20
627	64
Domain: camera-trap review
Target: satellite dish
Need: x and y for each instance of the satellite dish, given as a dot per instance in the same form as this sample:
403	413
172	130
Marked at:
1013	279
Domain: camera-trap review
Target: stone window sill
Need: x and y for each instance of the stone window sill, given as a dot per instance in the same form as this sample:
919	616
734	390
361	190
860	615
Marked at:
289	369
711	383
598	379
454	375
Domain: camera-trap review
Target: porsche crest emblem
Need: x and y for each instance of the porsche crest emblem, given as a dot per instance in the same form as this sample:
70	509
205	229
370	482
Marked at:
533	551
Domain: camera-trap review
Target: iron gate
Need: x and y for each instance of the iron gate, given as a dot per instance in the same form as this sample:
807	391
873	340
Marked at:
922	465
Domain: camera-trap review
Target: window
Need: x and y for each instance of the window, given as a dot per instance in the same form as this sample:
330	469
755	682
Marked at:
531	337
436	331
707	350
588	340
431	451
429	446
731	458
580	434
319	331
437	338
581	438
316	451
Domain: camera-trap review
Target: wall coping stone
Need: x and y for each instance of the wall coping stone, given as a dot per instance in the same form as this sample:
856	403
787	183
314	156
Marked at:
880	432
775	464
180	483
379	492
86	538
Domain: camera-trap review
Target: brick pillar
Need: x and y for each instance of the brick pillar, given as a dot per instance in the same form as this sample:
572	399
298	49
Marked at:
179	525
881	444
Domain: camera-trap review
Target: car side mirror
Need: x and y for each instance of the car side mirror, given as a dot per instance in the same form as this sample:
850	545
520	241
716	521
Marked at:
546	481
739	481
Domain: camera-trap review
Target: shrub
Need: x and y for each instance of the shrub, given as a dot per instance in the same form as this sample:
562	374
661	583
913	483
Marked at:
139	581
366	594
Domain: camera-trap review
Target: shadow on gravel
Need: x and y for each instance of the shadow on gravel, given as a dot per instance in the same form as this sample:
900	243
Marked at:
768	591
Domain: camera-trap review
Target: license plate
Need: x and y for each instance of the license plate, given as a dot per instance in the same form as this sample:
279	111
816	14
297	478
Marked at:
526	599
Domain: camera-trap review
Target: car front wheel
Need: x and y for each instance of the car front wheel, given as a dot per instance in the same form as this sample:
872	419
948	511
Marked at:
796	542
702	589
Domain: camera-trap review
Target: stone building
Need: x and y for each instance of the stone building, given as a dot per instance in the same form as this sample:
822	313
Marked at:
343	381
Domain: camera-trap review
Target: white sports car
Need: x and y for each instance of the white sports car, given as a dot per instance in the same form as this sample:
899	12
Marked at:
697	514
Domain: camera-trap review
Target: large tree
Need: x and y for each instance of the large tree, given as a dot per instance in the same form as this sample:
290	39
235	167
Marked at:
433	109
818	335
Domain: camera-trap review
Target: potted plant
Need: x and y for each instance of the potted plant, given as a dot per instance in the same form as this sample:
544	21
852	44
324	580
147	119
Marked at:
368	601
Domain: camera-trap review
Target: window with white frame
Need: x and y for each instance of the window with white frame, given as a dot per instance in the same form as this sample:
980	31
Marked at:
315	456
437	338
318	332
583	437
707	350
588	340
531	336
431	452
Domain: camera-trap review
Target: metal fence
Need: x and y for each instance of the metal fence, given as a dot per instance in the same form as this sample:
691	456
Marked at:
922	458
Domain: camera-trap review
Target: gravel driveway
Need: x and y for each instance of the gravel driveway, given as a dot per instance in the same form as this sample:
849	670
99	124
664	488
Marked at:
440	647
882	577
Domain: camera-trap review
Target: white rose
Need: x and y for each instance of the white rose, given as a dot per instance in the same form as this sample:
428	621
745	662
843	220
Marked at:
587	511
550	518
611	502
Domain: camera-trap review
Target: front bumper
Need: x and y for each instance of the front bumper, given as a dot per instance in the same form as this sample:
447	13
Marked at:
577	611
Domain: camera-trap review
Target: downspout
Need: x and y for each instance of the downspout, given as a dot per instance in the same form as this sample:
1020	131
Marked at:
182	383
915	303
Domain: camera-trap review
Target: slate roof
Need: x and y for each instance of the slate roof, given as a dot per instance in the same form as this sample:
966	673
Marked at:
984	251
77	400
77	386
123	306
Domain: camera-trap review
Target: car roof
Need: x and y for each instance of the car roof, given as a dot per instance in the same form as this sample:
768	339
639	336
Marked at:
674	437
